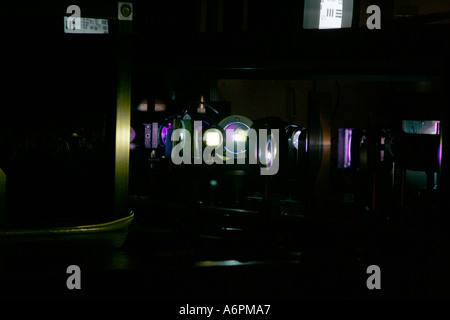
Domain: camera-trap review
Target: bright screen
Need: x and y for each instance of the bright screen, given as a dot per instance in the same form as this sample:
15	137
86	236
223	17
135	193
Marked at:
328	14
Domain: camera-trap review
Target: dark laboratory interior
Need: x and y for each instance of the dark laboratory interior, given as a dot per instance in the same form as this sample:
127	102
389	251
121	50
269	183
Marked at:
225	149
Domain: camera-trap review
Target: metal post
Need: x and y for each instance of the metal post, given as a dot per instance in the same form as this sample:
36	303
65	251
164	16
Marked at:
123	115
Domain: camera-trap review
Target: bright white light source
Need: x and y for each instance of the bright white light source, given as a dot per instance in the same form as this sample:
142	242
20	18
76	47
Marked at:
295	137
236	132
239	135
330	14
213	138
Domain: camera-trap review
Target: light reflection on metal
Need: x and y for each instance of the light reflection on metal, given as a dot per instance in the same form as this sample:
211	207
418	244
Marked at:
234	263
295	137
123	117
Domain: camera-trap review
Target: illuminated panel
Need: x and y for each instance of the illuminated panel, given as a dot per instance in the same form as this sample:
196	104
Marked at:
331	14
421	126
327	14
87	26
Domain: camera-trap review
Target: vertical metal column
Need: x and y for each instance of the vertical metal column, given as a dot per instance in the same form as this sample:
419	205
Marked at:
123	115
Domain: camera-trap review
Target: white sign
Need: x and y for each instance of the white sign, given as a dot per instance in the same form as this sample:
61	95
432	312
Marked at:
331	12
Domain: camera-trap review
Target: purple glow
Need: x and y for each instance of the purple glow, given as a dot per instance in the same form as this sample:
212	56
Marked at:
345	148
164	131
164	134
204	124
349	134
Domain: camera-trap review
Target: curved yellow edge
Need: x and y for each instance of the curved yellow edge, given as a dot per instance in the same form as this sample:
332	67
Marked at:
101	227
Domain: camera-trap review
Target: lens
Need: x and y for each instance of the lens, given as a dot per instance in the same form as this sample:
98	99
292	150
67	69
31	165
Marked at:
236	132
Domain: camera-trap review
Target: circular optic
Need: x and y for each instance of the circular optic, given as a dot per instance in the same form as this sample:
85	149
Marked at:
125	10
236	132
236	129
